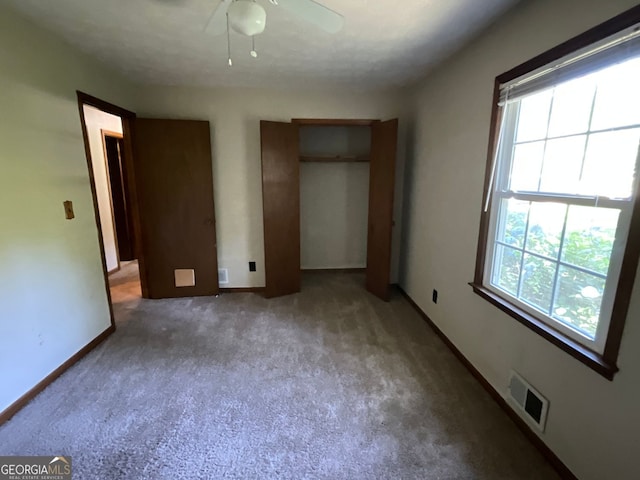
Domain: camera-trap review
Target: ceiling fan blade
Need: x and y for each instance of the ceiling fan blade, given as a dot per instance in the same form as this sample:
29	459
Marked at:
217	22
314	13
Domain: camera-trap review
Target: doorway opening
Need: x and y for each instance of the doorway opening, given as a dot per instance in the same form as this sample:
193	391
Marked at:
106	132
116	174
157	208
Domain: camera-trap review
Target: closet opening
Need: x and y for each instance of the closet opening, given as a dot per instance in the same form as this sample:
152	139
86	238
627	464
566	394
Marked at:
328	191
334	197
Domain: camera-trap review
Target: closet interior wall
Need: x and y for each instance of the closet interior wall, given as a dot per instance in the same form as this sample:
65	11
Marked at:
334	196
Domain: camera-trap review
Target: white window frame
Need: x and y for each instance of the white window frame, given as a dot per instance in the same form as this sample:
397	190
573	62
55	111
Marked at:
501	192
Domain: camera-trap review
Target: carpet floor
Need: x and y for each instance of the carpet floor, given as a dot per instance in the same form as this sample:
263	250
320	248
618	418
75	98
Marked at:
330	383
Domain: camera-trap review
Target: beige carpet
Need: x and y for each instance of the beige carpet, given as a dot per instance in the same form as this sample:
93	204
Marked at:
330	383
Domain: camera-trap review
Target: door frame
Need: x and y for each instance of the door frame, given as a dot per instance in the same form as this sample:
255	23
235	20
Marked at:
108	133
335	122
126	116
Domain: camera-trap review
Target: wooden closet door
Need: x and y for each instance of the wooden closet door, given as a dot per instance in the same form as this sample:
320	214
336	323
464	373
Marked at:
384	138
174	183
281	207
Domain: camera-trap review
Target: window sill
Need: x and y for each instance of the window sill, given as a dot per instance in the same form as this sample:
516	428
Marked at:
579	352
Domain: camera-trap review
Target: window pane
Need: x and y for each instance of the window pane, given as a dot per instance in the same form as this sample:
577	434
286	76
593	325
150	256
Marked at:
527	162
562	165
537	281
546	221
514	222
506	268
578	300
571	109
564	147
618	97
589	237
610	163
534	116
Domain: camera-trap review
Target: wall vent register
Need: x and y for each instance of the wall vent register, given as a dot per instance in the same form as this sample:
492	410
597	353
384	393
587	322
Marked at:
185	277
223	275
530	404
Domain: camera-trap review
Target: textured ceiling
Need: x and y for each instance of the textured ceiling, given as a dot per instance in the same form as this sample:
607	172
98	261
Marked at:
383	43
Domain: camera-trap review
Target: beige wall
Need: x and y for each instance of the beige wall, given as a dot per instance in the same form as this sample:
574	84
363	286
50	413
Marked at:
52	292
593	424
96	121
235	116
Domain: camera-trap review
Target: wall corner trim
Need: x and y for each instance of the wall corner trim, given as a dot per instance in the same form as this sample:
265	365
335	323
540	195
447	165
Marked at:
16	406
537	442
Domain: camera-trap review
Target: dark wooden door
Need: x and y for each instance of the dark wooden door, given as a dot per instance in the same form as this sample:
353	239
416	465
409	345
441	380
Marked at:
384	138
113	147
173	173
281	207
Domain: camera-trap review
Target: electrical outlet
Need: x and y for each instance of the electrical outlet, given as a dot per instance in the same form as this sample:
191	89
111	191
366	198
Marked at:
434	296
252	266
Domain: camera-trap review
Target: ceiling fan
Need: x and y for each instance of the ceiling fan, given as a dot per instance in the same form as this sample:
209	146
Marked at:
249	18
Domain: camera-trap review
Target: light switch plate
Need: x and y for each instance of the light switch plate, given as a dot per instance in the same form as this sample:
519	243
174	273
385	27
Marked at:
68	210
185	277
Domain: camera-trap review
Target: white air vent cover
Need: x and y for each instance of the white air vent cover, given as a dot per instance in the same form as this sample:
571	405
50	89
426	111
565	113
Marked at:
530	404
223	275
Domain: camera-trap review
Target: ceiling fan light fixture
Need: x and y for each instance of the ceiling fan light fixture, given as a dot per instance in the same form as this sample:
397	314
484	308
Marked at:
247	17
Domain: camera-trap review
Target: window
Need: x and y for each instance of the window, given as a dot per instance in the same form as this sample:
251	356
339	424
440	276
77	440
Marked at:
556	248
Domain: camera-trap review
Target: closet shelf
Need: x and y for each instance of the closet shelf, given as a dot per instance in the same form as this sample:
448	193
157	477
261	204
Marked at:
333	158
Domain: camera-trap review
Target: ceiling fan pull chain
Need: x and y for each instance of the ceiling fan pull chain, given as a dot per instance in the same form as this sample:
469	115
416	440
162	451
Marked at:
254	54
229	43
